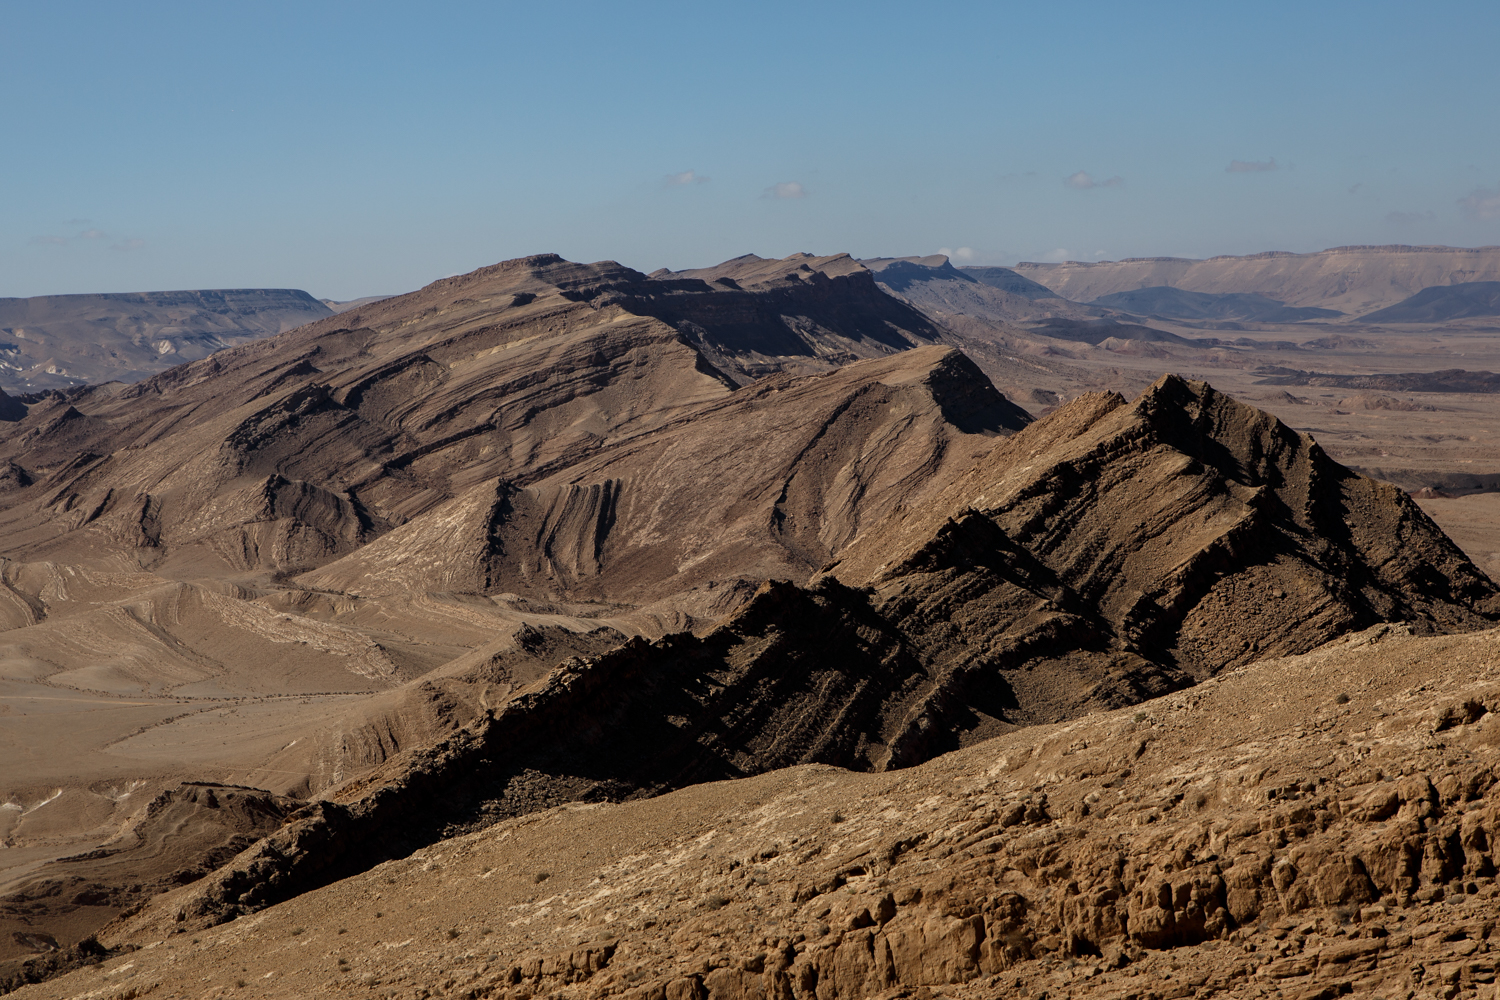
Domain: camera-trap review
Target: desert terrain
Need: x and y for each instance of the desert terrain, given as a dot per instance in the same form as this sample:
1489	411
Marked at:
800	627
51	342
1317	825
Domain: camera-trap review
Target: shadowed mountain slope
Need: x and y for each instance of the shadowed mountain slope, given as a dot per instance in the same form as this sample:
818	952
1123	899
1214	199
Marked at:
1256	836
1443	302
1179	304
999	295
1008	280
1098	331
1195	530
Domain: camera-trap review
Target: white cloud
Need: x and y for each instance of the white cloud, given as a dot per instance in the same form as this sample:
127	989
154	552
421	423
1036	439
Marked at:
1081	181
1055	256
93	234
786	189
49	241
1481	203
961	254
685	178
125	245
1251	166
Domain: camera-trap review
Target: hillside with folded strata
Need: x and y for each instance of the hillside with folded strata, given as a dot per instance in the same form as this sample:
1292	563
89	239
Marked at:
552	532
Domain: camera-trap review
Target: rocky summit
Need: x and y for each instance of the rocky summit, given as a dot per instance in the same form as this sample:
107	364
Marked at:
559	629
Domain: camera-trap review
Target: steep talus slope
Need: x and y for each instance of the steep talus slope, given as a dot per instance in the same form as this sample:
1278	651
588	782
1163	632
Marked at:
1352	280
439	703
795	676
59	341
1316	826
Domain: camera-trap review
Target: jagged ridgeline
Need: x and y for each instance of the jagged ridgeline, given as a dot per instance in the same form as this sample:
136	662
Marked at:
752	517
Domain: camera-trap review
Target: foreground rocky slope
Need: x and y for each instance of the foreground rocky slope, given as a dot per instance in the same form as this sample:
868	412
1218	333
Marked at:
1310	826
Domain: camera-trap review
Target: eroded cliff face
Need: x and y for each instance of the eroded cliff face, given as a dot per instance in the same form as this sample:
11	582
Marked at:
771	481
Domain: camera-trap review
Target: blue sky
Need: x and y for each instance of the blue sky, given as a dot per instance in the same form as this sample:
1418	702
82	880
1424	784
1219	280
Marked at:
361	148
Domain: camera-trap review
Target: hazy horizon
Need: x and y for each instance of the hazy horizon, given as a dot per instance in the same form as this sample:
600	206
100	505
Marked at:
352	150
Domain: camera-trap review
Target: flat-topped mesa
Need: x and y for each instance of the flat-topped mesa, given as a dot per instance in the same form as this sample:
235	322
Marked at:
799	313
957	295
1354	280
750	270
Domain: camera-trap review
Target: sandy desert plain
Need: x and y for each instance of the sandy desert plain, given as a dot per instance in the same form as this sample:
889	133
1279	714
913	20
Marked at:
801	628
